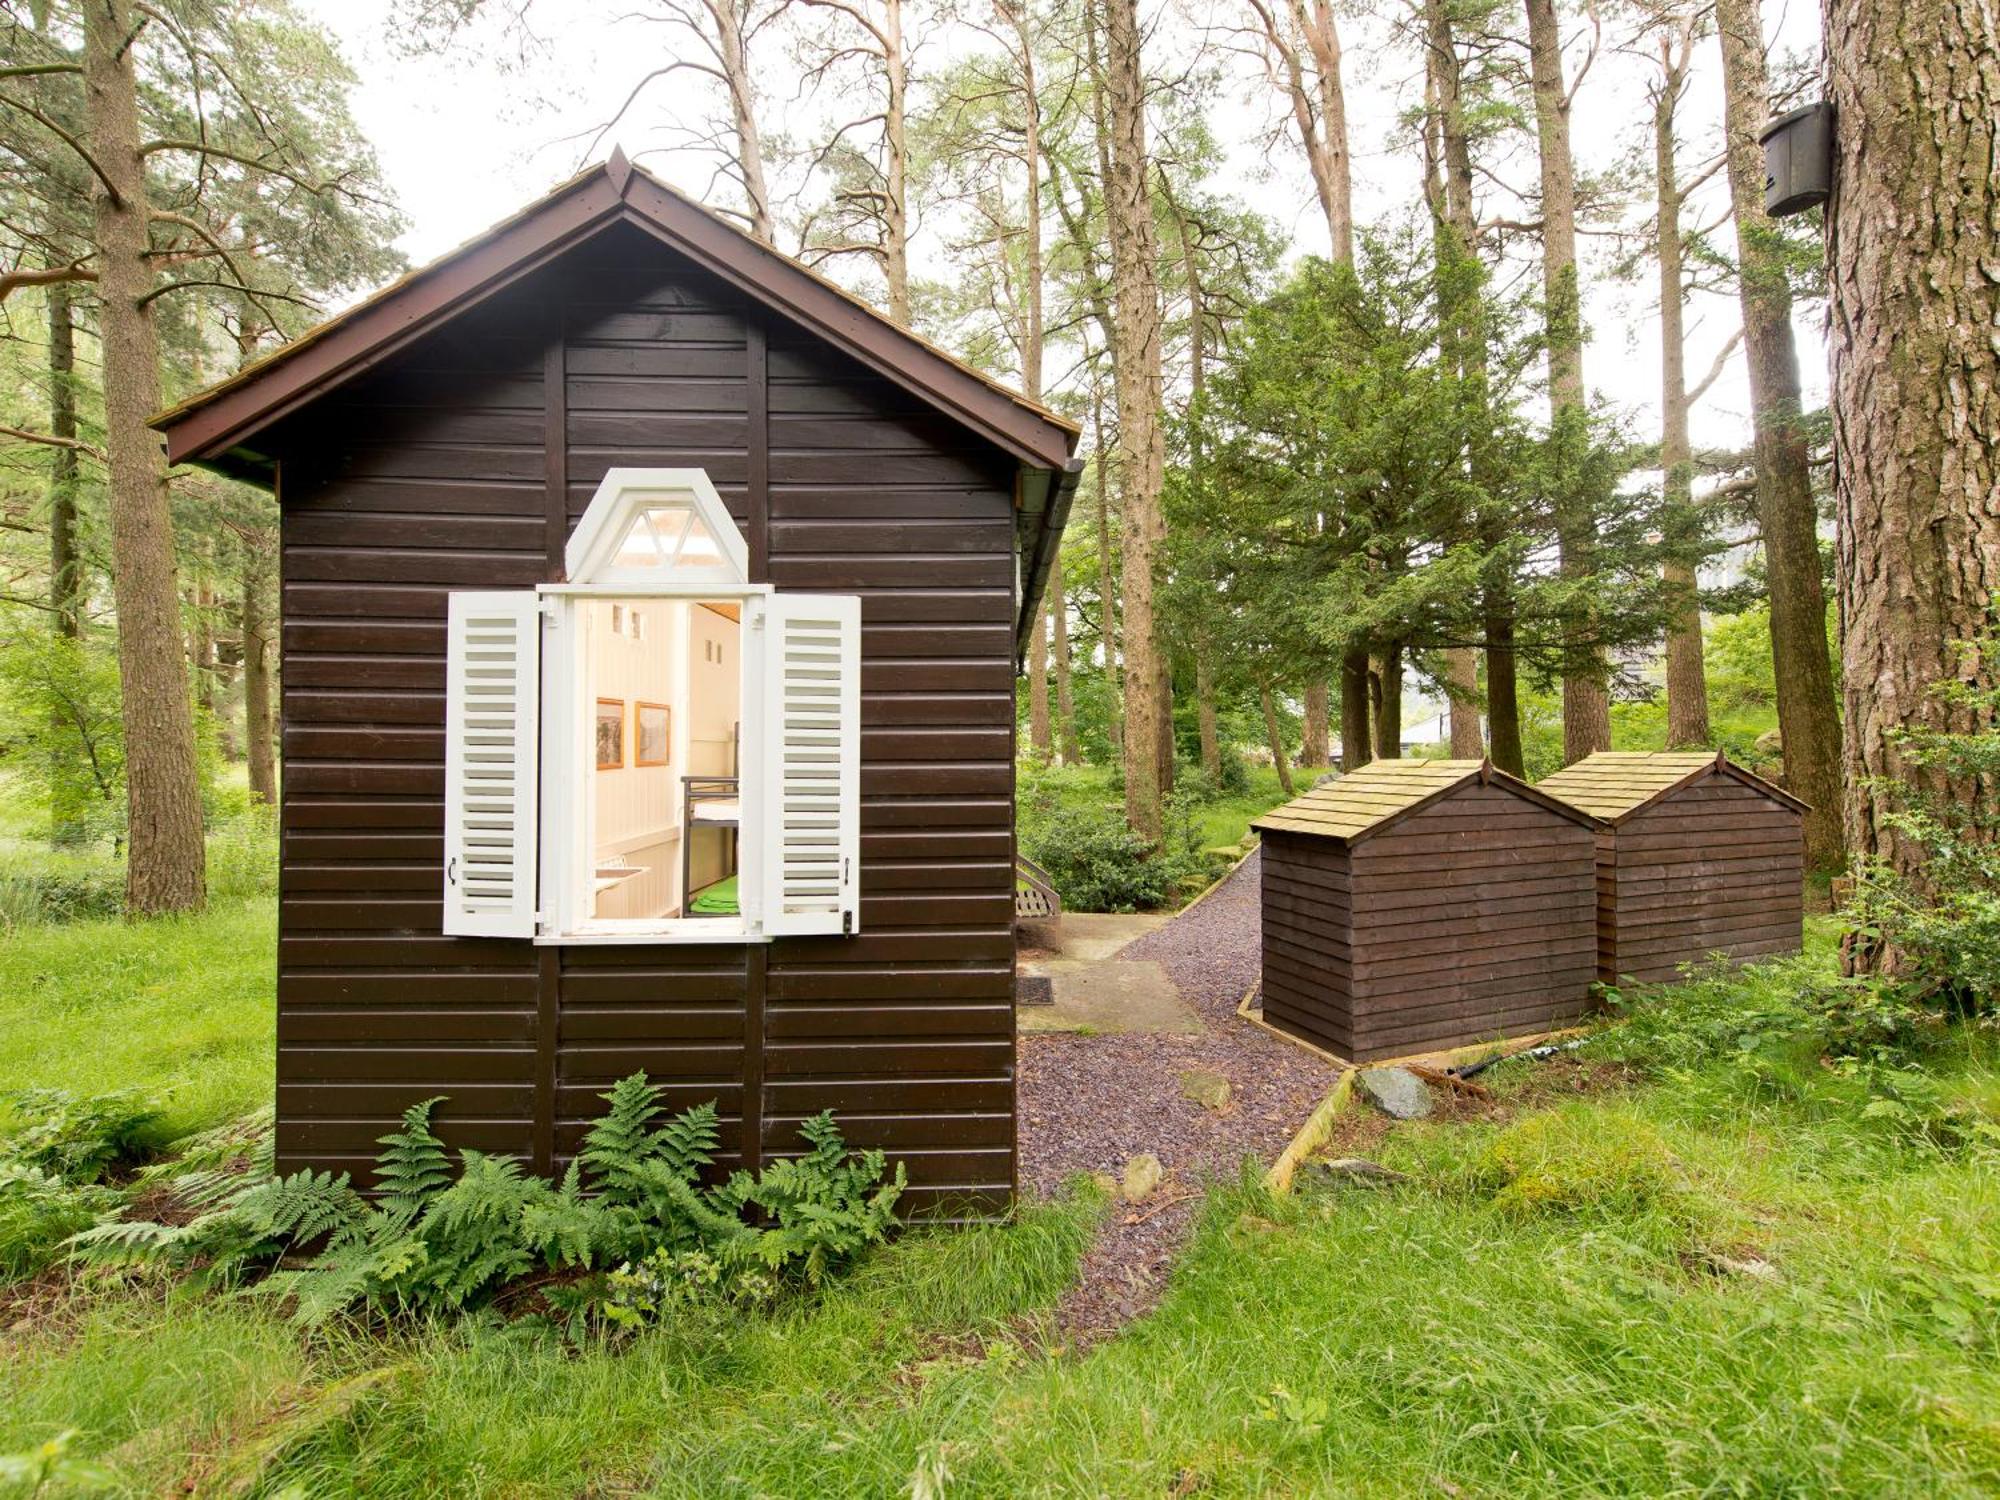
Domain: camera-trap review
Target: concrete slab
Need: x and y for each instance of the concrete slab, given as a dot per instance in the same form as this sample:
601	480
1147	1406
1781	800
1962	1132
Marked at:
1088	936
1113	995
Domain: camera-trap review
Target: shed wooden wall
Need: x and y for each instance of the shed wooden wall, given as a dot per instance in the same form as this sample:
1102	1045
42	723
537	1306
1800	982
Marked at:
1307	907
1470	919
1717	866
462	463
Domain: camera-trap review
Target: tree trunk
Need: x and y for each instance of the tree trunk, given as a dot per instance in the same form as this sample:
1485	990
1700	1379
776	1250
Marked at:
164	872
1586	703
1355	750
1275	738
733	51
1503	692
1389	703
1461	673
1456	234
1687	681
895	137
1041	744
256	675
1107	608
1065	703
1915	302
65	564
1141	446
1315	744
1166	742
1204	707
1788	516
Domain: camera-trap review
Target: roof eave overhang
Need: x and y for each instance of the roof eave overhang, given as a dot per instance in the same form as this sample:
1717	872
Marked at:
216	428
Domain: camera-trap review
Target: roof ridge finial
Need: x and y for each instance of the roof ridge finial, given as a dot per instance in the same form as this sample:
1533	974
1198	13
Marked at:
618	167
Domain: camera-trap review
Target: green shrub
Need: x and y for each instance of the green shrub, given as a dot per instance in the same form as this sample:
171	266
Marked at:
243	853
1097	863
1585	1163
76	1139
39	1212
65	891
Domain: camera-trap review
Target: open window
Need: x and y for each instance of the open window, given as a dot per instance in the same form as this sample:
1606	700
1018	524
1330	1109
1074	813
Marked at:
657	750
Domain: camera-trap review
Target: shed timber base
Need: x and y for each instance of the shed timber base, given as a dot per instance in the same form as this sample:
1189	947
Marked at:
1470	920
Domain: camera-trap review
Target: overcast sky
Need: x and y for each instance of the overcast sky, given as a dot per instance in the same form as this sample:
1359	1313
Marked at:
465	142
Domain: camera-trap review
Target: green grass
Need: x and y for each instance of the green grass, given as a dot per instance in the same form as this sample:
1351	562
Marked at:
179	1007
1555	1304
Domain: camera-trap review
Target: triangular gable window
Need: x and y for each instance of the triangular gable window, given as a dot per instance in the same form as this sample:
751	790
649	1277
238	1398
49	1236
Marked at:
657	526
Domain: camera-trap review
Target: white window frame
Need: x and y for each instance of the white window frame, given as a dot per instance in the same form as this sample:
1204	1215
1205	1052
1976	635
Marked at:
568	801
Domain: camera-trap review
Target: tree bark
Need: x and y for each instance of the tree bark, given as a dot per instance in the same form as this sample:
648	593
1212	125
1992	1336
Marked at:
1586	702
1141	445
1915	302
1204	706
1065	701
732	51
1389	703
1503	692
1461	672
896	146
1355	749
1107	606
1315	744
65	563
164	871
1687	680
257	738
1788	516
1275	737
1041	743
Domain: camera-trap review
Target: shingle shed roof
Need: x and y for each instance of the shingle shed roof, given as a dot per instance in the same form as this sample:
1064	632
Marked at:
1614	784
1365	800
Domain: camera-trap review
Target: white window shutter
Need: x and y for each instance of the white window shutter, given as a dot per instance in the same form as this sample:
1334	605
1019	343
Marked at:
493	685
811	807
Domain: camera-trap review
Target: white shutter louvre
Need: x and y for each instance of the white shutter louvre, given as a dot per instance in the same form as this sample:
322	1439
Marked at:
811	807
493	687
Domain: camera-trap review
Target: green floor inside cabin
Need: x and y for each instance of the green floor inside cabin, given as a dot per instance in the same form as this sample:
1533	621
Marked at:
717	900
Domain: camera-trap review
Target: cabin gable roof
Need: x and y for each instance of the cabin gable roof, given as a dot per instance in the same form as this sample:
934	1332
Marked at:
217	426
1365	801
1617	784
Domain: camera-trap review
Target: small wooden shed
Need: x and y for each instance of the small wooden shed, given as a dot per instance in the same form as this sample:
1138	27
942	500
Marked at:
1697	857
651	616
1418	904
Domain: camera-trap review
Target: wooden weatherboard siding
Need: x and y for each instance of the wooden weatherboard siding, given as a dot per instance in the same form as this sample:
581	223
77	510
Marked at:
1698	858
461	462
1452	905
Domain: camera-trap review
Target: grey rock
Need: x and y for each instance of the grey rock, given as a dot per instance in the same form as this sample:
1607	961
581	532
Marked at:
1397	1092
1143	1176
1208	1089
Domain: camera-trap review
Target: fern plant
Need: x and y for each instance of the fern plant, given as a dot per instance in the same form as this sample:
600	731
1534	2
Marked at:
827	1204
434	1242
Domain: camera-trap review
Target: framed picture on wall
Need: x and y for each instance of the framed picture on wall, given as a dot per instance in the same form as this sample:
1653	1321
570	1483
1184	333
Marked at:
651	725
610	734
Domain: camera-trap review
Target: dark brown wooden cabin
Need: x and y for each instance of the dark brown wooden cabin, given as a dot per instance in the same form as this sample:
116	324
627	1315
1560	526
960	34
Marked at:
1412	905
891	515
1697	857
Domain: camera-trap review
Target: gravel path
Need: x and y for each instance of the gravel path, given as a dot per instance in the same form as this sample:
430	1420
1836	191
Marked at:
1090	1102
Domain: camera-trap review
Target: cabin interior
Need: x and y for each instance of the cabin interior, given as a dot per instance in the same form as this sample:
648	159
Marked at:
666	676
